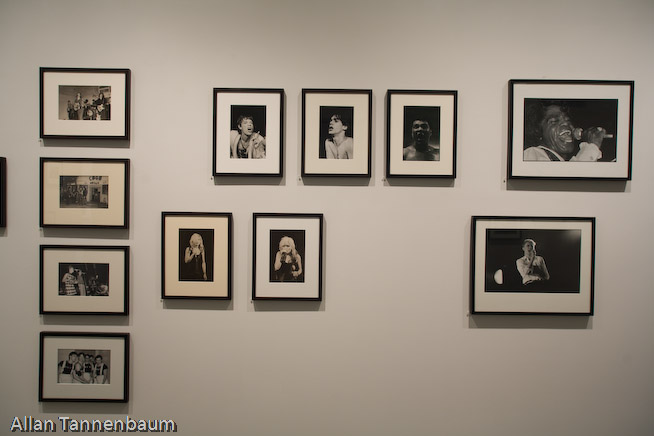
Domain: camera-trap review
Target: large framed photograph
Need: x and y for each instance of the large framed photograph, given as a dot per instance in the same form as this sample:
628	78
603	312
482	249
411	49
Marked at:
84	280
527	265
80	366
78	192
570	129
89	103
248	132
421	133
287	256
336	132
3	192
196	255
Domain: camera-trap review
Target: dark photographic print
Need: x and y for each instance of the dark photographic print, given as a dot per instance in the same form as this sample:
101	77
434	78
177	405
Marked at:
248	127
421	133
84	279
533	260
532	265
196	255
570	130
84	192
83	366
75	193
70	273
85	102
336	132
3	192
196	252
248	132
287	254
579	122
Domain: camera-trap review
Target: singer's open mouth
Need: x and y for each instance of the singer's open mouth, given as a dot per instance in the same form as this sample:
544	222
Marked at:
566	135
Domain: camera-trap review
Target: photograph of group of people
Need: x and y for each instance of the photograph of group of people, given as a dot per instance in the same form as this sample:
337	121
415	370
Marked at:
570	130
287	251
84	102
533	260
247	138
83	366
196	252
84	279
84	191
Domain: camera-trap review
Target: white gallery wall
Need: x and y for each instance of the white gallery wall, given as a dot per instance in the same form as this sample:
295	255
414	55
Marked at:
391	349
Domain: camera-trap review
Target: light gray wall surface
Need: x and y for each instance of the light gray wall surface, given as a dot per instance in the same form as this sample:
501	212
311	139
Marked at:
391	350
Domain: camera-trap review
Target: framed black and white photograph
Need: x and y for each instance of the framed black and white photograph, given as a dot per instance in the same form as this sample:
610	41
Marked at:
84	280
570	129
89	103
80	366
529	265
421	133
78	192
287	256
196	255
336	132
3	192
248	132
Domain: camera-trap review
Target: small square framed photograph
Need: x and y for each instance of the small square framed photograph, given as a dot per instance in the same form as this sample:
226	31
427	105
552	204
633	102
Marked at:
529	265
84	280
80	366
421	133
248	132
77	192
87	103
196	255
287	256
3	192
570	129
336	132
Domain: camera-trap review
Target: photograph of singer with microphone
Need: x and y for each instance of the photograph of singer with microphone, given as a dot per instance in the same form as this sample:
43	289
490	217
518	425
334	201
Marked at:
570	130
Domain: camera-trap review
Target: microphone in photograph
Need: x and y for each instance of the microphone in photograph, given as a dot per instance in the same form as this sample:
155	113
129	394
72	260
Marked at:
578	132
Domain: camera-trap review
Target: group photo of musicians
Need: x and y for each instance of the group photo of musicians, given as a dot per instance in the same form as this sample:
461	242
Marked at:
84	102
84	191
83	366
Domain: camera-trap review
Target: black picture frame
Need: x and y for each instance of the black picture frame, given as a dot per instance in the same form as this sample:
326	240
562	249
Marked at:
231	155
204	274
554	275
109	381
320	154
554	125
103	196
3	192
97	103
97	285
421	116
287	256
